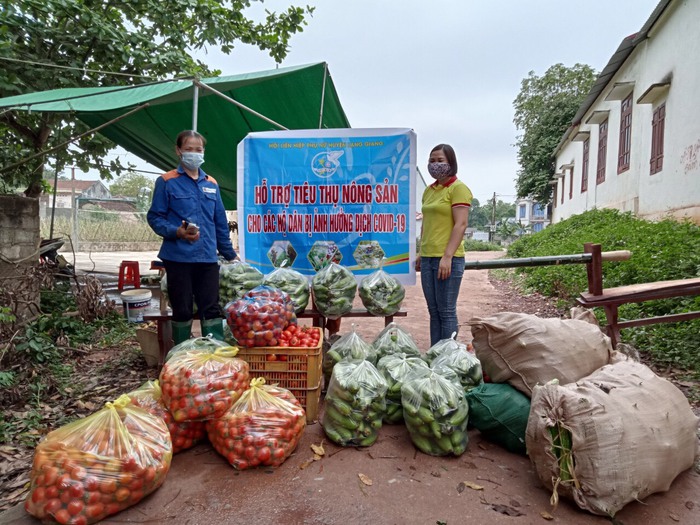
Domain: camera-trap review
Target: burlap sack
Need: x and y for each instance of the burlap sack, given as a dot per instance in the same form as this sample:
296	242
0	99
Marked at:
525	350
613	437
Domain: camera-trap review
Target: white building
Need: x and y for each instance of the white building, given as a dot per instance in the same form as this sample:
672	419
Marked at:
634	144
531	215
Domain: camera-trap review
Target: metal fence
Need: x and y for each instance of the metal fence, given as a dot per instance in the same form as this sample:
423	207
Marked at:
99	226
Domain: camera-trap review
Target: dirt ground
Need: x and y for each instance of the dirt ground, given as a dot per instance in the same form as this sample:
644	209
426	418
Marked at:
401	485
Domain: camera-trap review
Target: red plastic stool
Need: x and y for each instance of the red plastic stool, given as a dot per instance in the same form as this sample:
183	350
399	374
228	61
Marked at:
129	274
158	265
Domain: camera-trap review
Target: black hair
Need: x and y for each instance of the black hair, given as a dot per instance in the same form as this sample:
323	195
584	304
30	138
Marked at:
189	134
449	155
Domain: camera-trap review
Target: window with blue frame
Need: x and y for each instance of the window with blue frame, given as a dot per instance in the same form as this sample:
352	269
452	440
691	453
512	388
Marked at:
538	226
538	211
521	211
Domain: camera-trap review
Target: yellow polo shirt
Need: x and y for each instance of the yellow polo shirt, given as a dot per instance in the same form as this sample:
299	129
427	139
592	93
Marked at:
438	201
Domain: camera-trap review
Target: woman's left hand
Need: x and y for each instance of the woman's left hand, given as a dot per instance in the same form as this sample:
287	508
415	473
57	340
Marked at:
445	268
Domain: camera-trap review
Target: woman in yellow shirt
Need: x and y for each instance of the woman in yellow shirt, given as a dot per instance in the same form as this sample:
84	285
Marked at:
445	210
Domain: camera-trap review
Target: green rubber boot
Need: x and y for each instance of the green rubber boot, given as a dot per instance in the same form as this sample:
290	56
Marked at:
182	331
214	327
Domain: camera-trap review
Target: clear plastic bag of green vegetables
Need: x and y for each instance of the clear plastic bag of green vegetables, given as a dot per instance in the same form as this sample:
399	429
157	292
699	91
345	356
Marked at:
355	404
465	364
396	368
395	340
235	279
334	289
443	345
293	282
348	346
436	413
381	293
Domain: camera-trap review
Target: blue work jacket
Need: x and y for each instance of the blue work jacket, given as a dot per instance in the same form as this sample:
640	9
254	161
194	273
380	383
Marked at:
176	198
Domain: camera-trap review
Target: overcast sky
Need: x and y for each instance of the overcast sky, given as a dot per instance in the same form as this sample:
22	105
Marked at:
448	69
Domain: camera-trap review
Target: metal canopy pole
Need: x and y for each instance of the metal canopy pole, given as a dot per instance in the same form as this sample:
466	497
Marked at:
323	95
195	104
242	106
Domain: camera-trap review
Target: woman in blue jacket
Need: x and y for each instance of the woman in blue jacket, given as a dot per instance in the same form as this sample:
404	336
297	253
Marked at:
188	213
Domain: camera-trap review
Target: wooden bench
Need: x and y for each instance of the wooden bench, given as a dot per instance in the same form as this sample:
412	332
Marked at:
610	299
163	320
320	321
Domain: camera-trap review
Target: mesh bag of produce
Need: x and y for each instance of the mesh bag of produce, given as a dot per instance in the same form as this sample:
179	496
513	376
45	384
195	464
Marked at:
184	434
201	385
235	279
381	293
435	413
293	283
395	341
260	316
99	465
465	364
196	343
334	289
355	404
500	412
348	346
396	368
262	428
441	346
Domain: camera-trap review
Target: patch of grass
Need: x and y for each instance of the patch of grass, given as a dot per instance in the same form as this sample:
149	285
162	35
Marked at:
662	250
470	245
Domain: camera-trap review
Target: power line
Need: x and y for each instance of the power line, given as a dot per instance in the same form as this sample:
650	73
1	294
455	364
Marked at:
83	69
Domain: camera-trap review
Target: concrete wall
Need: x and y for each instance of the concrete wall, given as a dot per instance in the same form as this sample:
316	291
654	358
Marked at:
668	54
19	244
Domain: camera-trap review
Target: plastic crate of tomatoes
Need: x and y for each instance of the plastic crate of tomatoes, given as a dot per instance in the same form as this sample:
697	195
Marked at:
295	365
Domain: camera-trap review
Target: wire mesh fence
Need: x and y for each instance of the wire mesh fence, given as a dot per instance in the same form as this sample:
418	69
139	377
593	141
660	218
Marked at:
94	226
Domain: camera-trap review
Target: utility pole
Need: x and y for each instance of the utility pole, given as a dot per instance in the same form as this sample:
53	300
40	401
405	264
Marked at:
492	230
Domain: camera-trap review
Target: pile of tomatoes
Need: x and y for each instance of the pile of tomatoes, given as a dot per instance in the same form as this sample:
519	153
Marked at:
261	433
260	316
300	336
183	434
202	385
83	472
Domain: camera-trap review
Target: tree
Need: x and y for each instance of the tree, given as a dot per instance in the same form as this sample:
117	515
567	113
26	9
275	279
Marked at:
52	44
544	109
132	185
480	216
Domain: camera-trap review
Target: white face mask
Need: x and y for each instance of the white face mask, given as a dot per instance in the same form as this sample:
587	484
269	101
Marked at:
192	160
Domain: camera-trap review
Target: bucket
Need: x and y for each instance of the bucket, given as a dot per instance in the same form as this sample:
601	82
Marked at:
135	303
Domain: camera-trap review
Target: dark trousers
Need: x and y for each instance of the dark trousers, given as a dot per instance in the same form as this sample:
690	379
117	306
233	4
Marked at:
188	280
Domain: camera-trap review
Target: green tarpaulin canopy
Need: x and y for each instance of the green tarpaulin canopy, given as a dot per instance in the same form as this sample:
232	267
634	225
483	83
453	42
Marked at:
301	97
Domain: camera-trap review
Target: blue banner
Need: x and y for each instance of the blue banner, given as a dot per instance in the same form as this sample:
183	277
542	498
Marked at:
308	197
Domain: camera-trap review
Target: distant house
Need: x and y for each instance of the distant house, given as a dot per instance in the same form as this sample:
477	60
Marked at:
634	144
531	215
67	190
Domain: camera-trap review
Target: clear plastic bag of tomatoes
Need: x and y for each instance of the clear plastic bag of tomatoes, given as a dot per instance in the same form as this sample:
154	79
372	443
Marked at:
259	319
99	465
262	428
184	434
196	343
200	385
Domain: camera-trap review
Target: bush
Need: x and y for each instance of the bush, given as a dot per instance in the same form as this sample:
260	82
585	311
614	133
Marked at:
661	251
470	245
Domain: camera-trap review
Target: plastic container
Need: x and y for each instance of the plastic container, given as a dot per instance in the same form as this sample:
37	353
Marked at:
297	369
135	303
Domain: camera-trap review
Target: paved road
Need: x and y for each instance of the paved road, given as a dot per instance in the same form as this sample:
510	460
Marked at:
108	262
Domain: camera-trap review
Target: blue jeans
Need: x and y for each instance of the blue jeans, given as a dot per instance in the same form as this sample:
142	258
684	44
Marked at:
441	296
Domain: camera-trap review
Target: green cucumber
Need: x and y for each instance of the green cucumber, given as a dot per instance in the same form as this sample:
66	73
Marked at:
425	415
340	419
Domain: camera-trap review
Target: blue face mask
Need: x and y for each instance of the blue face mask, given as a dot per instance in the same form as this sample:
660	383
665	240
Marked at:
192	160
439	170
